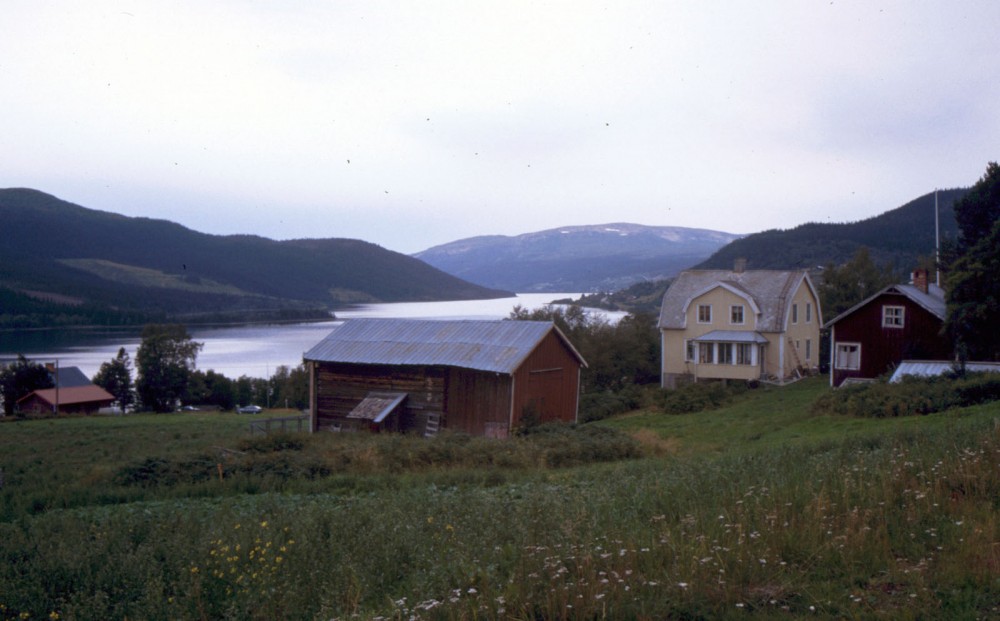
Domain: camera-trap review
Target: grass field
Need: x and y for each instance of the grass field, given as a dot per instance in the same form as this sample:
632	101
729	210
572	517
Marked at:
756	510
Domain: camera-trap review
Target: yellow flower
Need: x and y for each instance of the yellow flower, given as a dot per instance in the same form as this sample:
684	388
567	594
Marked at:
263	524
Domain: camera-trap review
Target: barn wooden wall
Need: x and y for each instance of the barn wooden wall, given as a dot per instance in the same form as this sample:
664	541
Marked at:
340	387
548	382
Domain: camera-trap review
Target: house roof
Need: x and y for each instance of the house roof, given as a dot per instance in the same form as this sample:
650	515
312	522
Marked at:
72	395
931	368
731	336
499	346
769	290
69	377
932	301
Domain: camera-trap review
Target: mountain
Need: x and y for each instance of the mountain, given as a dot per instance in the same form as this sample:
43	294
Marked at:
898	238
576	258
55	253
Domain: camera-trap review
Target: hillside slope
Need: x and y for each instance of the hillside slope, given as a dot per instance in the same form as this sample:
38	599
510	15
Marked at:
898	237
576	258
58	252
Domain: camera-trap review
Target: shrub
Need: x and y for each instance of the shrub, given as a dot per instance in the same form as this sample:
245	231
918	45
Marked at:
698	397
913	396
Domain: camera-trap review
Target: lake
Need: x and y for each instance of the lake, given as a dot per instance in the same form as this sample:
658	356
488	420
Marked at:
255	350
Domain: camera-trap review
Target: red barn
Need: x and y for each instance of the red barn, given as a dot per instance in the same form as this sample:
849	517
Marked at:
477	377
899	322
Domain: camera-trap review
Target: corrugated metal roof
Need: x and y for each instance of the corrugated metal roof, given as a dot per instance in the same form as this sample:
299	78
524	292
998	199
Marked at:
931	368
769	289
732	336
499	346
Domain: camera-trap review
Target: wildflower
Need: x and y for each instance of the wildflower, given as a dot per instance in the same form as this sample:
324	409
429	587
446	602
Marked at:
263	524
682	585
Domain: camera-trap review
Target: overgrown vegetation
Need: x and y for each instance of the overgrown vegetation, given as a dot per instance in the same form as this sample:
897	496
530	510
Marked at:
859	518
913	396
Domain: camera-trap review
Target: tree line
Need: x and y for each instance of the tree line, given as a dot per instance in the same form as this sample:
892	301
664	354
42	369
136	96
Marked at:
164	377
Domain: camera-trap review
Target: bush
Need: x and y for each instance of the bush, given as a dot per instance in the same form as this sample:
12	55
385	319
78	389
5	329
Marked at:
913	396
699	397
601	405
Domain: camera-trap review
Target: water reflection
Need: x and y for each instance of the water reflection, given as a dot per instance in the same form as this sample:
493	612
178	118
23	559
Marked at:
256	350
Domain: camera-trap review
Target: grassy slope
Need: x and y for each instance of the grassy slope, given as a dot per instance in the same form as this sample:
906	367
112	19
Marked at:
831	518
767	418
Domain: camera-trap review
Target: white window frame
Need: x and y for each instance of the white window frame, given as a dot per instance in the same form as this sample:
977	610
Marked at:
809	312
690	350
795	313
709	309
745	354
846	364
725	354
706	353
892	319
808	348
732	314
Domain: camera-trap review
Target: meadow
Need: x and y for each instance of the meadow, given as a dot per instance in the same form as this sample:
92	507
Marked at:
758	509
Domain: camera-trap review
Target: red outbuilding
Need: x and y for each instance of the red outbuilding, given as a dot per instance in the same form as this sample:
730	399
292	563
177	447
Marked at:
899	322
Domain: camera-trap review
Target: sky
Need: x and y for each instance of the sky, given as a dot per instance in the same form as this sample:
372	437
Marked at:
413	124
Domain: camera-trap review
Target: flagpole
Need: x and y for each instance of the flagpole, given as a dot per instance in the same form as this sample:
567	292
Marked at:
937	241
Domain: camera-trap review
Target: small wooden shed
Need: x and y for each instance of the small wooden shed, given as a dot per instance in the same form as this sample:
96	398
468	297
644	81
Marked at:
478	377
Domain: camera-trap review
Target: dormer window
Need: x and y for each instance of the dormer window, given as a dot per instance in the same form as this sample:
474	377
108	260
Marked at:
892	316
704	313
736	314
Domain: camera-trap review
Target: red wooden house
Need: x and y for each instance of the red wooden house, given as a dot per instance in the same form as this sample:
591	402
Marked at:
477	377
73	400
899	322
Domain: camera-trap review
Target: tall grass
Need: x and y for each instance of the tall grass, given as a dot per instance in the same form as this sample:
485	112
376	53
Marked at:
896	525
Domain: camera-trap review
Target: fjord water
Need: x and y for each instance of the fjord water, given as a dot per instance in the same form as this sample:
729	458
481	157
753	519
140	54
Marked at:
252	350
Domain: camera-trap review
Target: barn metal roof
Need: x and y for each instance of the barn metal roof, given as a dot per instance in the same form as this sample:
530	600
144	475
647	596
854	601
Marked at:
499	346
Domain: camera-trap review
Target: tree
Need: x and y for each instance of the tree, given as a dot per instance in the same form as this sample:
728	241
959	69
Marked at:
165	359
20	378
972	266
843	287
116	378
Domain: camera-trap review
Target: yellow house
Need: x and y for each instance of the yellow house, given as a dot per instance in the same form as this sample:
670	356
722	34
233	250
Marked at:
739	325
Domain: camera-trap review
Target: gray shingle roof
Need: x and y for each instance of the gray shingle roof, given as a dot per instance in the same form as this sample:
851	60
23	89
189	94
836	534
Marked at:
499	346
769	289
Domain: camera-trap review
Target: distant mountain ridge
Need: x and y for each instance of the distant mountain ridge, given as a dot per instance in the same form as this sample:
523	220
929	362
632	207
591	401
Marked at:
898	237
576	258
57	253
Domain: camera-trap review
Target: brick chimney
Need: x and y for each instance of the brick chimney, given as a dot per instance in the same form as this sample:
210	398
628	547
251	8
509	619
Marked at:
740	265
919	279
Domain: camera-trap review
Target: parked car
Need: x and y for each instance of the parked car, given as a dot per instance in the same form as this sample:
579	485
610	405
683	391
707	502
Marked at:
250	409
187	408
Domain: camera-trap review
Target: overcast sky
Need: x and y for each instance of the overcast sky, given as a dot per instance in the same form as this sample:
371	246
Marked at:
411	124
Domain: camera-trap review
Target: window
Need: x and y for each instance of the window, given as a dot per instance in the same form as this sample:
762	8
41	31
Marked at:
706	353
848	356
690	351
892	316
808	348
809	312
725	353
795	313
744	353
736	314
704	313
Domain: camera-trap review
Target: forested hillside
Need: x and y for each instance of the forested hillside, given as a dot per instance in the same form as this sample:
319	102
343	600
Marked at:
899	237
62	263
